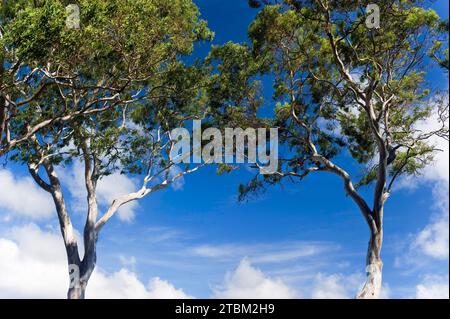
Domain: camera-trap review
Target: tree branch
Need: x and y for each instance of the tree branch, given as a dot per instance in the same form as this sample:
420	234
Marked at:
144	191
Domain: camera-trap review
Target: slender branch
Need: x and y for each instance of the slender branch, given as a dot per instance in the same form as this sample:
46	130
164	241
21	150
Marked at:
349	188
144	191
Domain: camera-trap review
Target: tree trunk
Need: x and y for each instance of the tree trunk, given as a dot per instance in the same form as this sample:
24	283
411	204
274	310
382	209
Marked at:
76	293
372	287
79	278
79	275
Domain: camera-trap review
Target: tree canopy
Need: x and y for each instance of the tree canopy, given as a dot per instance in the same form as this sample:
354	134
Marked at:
122	49
327	67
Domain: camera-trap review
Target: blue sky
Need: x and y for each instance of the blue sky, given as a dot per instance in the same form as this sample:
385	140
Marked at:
300	240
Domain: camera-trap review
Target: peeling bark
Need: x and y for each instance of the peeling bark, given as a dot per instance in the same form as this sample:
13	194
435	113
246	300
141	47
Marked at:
79	281
76	293
372	286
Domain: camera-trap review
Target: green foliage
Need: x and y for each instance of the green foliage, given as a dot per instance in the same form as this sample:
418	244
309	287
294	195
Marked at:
123	66
233	91
440	51
310	61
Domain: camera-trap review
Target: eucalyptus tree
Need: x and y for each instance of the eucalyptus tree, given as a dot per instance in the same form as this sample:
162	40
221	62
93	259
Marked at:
39	54
347	94
102	63
106	94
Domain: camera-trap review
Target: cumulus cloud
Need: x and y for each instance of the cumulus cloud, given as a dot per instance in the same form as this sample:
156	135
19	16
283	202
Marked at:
162	289
433	287
21	196
439	170
249	282
33	265
108	188
336	286
433	239
125	284
339	286
33	262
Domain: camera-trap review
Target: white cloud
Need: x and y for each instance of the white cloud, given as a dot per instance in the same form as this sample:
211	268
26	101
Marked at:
21	196
108	188
335	286
262	253
433	239
339	286
431	244
33	265
125	284
433	287
249	282
161	289
114	186
439	171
